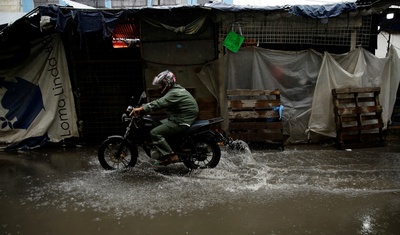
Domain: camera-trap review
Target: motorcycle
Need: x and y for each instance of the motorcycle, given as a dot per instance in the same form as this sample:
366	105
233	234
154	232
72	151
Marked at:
197	147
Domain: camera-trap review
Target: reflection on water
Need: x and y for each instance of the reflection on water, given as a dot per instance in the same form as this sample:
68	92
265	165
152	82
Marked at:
367	225
303	191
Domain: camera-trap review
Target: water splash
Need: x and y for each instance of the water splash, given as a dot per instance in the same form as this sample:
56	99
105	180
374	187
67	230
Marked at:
149	190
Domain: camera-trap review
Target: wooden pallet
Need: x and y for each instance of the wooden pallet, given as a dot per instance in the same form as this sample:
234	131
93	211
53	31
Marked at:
358	117
252	117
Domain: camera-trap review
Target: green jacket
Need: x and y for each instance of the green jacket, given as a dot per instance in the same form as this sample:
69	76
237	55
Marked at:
179	104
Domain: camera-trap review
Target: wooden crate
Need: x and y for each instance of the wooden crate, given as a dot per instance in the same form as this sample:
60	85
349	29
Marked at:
252	116
358	117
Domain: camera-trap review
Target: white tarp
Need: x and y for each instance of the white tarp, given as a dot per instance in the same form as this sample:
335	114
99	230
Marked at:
305	79
36	98
359	68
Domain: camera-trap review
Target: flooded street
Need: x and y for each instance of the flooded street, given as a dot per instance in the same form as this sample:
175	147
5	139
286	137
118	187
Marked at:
301	190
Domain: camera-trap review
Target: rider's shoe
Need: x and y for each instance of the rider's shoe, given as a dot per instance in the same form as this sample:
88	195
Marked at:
173	158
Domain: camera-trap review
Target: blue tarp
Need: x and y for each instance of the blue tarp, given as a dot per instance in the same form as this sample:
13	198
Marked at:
313	11
86	21
90	21
322	11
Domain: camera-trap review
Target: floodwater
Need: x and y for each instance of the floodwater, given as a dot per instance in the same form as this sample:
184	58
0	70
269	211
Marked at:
301	190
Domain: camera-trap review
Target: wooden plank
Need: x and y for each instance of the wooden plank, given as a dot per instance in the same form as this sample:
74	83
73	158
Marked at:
253	104
361	128
248	92
364	135
344	101
362	141
354	118
359	110
253	114
356	90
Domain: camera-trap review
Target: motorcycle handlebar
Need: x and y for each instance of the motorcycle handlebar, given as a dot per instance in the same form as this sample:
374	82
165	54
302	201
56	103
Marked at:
129	109
125	116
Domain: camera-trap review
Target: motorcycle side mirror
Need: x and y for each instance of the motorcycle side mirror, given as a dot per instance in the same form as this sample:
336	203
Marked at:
142	96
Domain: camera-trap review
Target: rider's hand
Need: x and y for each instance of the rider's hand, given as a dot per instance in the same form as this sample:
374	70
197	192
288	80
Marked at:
136	111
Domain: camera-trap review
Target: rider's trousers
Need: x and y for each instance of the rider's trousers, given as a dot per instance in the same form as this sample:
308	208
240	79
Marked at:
166	130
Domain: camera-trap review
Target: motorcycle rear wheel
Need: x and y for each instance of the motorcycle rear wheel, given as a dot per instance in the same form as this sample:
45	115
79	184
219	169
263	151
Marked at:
115	153
206	154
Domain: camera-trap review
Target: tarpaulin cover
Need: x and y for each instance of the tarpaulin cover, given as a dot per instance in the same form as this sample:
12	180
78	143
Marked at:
323	11
84	21
102	20
36	100
305	79
237	8
313	11
358	68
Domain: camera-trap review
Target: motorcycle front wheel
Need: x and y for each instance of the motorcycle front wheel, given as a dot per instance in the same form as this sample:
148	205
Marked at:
115	153
206	153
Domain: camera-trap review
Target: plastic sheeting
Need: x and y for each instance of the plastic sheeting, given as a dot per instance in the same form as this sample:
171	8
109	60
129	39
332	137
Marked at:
191	28
305	79
36	100
358	68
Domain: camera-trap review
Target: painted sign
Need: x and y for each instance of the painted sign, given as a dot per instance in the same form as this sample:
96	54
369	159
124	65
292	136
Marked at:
36	99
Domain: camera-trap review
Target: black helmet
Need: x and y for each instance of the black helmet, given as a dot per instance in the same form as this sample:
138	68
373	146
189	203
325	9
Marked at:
165	80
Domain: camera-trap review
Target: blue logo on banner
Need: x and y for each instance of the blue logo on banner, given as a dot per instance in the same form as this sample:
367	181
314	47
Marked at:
24	102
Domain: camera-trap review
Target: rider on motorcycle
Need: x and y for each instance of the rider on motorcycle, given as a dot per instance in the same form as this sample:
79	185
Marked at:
181	108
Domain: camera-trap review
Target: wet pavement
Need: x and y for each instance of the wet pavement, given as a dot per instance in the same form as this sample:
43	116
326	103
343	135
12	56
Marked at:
305	189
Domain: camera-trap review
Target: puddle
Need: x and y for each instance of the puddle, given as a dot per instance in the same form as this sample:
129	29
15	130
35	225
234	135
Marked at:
75	184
